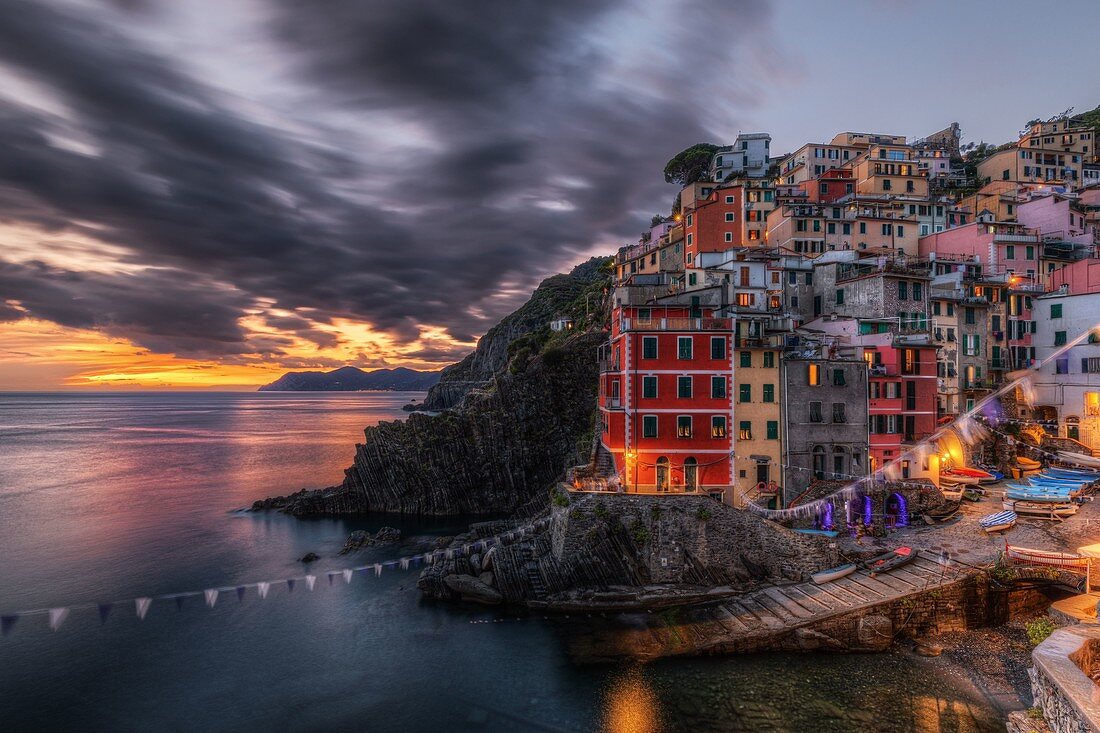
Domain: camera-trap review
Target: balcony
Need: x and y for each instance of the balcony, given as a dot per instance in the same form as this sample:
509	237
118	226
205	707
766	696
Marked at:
613	403
608	365
677	324
1025	238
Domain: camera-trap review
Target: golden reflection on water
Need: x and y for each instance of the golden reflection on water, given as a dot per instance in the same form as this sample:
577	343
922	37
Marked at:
630	705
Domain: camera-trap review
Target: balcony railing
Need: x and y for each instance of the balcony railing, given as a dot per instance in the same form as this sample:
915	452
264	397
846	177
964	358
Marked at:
608	365
677	324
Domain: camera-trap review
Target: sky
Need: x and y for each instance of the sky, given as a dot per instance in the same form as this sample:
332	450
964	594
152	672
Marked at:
206	194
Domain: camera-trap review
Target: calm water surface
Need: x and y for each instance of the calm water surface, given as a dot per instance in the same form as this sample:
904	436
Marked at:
123	495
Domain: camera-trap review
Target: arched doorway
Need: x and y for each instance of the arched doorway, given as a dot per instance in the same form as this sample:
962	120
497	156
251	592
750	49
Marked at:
662	474
840	464
819	462
897	511
691	474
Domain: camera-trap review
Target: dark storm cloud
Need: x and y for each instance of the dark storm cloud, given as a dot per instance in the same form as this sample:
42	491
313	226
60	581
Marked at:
541	145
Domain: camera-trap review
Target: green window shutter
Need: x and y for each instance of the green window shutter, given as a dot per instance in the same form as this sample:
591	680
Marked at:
769	393
744	393
649	426
773	430
1056	310
746	359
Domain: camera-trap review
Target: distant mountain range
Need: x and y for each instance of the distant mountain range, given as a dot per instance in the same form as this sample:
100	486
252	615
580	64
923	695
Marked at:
351	379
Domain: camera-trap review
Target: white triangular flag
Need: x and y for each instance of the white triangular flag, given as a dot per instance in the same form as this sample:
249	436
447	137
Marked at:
347	576
310	580
141	605
263	588
377	569
57	617
404	563
211	596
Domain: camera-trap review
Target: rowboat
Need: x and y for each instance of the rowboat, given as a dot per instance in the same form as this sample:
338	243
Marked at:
890	561
1027	556
972	494
951	494
954	478
998	522
942	513
1040	510
965	471
1036	496
1072	473
1027	464
825	576
1080	459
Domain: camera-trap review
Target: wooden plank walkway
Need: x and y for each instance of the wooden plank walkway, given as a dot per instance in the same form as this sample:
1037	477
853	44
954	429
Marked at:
776	608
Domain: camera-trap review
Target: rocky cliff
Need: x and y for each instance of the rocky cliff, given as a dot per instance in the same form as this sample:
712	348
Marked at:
556	295
513	434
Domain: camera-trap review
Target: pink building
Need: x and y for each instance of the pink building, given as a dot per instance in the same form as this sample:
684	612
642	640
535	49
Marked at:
1079	278
1002	248
1054	216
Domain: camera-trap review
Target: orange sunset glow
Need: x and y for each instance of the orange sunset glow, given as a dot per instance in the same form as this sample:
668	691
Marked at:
39	355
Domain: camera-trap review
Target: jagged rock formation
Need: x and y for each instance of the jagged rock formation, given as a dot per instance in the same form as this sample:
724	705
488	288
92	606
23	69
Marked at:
554	296
612	549
510	439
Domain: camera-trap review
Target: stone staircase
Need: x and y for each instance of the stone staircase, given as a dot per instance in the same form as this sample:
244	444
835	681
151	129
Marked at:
531	570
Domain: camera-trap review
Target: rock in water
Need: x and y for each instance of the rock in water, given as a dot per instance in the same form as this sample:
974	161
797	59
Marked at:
472	589
357	540
387	536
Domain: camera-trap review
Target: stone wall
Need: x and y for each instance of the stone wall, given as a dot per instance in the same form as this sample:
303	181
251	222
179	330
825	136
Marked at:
1070	701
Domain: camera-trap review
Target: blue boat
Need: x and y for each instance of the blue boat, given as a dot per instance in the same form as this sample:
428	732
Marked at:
1041	488
1069	473
819	532
1033	496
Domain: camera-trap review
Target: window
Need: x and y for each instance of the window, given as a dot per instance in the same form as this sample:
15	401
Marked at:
729	236
968	315
718	426
1061	366
683	388
745	299
729	216
692	279
773	430
649	388
838	377
839	415
683	426
903	290
813	375
769	393
1030	252
717	347
718	387
1056	310
769	360
649	426
1010	252
918	293
745	359
683	347
729	200
1059	338
815	412
649	347
840	296
936	308
744	432
909	362
887	184
744	393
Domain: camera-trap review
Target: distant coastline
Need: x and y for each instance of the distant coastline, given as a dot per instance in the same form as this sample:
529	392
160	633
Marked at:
353	379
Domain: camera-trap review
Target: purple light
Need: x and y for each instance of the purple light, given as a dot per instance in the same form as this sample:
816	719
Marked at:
903	511
867	510
827	516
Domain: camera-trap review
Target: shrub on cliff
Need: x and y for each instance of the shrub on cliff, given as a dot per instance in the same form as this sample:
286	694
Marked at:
1039	629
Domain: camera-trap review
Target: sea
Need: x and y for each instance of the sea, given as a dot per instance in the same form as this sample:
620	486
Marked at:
108	497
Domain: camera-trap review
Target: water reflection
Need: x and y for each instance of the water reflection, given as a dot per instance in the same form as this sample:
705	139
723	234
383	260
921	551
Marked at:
630	705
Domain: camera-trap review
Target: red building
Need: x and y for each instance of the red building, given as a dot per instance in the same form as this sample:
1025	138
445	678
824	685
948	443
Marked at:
713	224
902	396
665	393
831	185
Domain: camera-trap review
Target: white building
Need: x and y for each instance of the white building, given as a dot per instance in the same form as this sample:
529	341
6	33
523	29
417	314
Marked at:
1068	388
748	156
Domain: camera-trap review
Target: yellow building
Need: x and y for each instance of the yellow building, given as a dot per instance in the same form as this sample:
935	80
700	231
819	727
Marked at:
889	170
1049	152
757	427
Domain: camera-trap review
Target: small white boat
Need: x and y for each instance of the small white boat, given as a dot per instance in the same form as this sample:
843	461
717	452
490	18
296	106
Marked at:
840	571
958	478
951	494
1080	459
1040	510
998	522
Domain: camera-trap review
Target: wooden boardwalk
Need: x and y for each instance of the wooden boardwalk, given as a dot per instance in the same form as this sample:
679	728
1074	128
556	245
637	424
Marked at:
775	617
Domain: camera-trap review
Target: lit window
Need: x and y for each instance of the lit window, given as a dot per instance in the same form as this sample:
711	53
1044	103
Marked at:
813	377
745	430
683	426
718	426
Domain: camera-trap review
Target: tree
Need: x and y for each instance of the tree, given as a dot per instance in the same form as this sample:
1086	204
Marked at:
690	164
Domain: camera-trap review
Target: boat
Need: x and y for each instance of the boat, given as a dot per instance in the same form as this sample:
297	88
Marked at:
1028	556
997	475
1072	473
1028	464
955	478
819	532
891	560
942	513
840	571
1040	510
951	494
1035	496
998	522
964	471
1080	459
972	495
